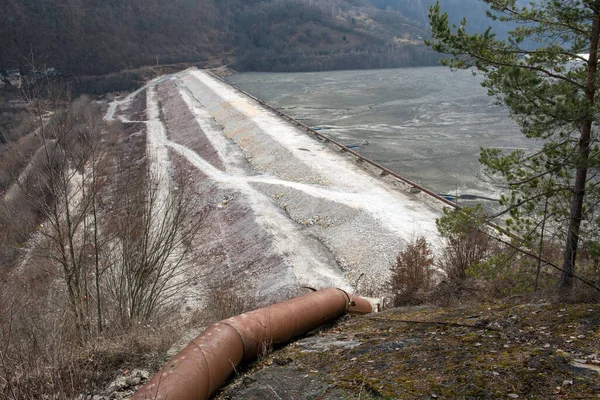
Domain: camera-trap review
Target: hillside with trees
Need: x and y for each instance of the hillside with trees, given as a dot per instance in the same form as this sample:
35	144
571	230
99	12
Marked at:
91	37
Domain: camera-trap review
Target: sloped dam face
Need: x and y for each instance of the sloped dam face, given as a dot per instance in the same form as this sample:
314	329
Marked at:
280	208
428	123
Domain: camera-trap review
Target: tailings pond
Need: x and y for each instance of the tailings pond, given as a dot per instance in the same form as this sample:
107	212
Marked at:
427	124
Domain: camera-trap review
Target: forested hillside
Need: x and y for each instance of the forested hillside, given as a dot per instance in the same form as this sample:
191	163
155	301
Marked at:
88	37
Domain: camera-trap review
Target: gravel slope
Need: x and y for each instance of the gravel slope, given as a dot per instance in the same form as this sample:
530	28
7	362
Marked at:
281	209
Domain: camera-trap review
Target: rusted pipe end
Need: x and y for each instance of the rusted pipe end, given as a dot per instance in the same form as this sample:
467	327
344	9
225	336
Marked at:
360	306
357	305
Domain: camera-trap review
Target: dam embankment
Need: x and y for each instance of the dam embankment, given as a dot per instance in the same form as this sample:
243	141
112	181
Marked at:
281	208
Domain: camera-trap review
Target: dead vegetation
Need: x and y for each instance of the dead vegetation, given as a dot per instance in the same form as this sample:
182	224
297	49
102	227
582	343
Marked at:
41	357
412	273
472	266
94	245
224	303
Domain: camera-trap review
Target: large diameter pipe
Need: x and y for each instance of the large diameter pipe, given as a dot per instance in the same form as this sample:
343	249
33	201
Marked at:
201	368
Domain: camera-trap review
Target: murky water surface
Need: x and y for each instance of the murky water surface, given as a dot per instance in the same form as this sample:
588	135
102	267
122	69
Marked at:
427	124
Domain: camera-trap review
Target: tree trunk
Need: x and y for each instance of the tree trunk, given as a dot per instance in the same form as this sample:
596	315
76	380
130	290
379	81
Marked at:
96	244
572	242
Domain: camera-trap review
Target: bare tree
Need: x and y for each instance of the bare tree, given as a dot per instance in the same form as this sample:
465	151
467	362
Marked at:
155	232
52	186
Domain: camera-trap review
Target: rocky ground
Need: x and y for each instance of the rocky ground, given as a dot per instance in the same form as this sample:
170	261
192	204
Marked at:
530	351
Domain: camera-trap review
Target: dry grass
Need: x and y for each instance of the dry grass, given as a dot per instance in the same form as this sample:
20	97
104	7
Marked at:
40	355
226	303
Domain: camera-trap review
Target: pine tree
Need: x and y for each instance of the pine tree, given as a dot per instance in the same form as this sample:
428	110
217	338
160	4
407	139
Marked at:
546	73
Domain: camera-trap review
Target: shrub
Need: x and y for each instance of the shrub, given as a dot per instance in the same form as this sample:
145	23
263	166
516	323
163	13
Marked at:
466	243
412	272
589	269
506	273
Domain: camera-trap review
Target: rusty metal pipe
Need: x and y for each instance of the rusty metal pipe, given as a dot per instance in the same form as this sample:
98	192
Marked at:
201	368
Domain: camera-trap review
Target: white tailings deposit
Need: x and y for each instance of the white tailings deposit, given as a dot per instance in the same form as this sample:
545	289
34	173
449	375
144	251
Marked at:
281	209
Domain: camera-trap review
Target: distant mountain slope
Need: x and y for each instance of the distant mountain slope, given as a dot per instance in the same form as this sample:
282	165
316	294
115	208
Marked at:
473	10
101	36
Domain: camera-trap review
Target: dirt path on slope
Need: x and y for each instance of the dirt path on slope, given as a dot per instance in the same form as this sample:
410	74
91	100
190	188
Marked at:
361	219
